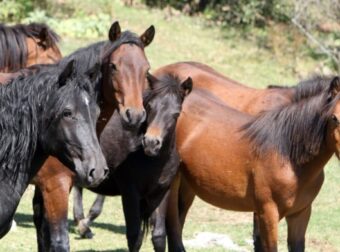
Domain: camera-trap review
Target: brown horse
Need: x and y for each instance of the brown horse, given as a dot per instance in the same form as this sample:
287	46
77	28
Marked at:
271	164
25	45
232	93
124	78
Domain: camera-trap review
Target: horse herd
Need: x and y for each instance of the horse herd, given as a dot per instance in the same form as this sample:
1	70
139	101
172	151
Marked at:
99	119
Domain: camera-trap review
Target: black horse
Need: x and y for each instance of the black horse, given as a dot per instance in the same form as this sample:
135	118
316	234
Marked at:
143	177
52	111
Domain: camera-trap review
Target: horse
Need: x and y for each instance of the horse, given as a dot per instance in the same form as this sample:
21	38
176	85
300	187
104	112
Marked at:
124	70
271	164
25	45
51	112
232	93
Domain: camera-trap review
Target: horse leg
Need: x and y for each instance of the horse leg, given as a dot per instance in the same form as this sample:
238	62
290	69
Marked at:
55	208
133	221
186	197
268	223
173	223
297	226
256	234
38	219
78	214
158	224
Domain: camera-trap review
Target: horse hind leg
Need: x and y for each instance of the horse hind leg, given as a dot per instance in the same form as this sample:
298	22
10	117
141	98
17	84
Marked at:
158	225
297	226
95	211
78	214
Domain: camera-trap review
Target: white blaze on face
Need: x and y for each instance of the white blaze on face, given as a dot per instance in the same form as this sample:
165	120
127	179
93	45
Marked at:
86	100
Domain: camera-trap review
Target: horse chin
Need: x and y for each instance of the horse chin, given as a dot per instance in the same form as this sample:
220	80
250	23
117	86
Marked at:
151	152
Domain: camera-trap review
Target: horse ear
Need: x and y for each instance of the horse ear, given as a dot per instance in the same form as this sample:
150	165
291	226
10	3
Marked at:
66	73
148	36
186	86
114	32
152	80
45	38
334	88
94	72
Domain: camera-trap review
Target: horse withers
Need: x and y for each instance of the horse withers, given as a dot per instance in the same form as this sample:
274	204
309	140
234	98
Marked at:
54	112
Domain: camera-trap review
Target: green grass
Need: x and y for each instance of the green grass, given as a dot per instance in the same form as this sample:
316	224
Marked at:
182	38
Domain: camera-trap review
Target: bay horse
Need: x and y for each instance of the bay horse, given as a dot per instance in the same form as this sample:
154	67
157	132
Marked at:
124	69
51	112
237	95
271	164
25	45
144	177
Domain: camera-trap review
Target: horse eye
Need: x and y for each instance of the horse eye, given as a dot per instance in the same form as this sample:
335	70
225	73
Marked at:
67	113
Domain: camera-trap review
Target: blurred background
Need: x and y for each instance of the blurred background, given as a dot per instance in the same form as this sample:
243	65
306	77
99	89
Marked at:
256	42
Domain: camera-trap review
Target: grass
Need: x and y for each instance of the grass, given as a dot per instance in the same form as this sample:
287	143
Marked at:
182	38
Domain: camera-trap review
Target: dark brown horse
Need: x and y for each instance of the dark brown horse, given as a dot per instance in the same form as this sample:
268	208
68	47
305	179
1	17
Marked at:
25	45
124	69
285	150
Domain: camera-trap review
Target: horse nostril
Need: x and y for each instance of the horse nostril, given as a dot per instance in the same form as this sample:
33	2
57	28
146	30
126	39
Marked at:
143	140
143	116
91	173
128	115
106	171
157	142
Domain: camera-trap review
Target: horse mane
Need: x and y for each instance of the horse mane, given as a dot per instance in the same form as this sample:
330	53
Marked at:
307	88
166	84
13	48
297	131
22	104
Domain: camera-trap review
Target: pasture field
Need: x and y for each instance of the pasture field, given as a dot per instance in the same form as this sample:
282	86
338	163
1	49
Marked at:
181	38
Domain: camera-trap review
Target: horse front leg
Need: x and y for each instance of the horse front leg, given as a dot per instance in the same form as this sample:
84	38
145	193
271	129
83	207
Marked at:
158	225
133	220
256	234
268	224
56	208
42	231
297	226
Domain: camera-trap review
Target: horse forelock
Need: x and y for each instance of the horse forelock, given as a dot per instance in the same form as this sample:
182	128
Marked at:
296	131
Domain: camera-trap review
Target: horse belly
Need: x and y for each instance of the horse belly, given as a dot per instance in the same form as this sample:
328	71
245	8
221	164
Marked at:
219	179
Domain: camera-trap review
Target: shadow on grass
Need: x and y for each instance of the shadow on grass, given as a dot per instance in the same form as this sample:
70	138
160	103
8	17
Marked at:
105	250
26	221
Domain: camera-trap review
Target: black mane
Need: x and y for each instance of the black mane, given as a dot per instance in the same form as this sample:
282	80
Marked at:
297	131
23	110
97	53
166	84
13	48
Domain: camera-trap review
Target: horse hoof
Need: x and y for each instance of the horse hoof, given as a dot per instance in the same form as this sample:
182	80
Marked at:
87	235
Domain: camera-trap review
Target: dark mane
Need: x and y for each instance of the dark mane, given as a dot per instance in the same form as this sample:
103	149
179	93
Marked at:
23	102
13	48
97	53
166	84
307	88
87	57
297	131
